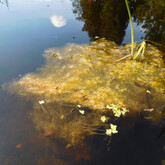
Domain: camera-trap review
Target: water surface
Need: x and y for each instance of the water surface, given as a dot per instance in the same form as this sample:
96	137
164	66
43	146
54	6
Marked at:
27	29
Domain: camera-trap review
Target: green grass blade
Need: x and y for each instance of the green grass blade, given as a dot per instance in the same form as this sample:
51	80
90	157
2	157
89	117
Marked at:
152	42
139	50
132	34
144	48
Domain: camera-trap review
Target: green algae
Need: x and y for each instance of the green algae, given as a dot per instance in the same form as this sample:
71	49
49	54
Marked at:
91	76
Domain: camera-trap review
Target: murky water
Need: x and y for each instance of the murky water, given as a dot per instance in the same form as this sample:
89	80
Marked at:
61	113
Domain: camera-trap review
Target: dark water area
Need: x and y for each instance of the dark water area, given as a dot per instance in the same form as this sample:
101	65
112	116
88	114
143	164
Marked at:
27	29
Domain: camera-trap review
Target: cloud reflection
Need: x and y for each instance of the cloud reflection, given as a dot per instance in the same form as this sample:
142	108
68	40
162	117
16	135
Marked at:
58	21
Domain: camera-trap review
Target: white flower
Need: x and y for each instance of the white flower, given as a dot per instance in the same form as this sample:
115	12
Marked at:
108	132
113	128
108	107
124	110
103	118
117	113
41	102
82	111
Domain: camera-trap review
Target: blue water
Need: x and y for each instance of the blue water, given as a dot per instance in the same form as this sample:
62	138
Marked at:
26	31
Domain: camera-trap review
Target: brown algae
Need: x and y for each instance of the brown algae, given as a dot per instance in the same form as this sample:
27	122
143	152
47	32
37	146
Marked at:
82	83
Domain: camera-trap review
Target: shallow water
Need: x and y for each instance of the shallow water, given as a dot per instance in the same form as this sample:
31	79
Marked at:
30	28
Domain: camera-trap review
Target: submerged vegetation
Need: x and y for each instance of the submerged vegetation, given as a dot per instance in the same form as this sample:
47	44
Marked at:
83	90
84	93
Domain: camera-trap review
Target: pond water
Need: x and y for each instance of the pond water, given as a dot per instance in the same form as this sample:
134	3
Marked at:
79	78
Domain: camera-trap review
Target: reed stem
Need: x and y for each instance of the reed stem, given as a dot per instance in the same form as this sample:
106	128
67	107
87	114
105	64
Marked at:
132	34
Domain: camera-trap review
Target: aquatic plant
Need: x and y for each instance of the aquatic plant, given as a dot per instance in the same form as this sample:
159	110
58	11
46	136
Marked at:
111	130
142	45
103	118
79	92
141	48
117	110
132	32
152	23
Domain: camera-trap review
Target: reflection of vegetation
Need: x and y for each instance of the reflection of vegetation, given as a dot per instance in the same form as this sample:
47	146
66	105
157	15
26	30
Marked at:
143	44
103	18
87	84
109	19
151	15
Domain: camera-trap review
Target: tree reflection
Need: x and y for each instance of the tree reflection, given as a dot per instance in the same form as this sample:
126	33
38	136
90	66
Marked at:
109	19
103	18
151	15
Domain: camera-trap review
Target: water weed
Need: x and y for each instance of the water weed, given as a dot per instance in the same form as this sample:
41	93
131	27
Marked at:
83	90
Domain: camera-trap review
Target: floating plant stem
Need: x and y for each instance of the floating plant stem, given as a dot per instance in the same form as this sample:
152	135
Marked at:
43	102
132	34
123	58
45	110
158	114
58	115
152	42
143	46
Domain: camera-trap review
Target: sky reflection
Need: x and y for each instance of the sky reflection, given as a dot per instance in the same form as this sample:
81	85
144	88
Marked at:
58	21
26	31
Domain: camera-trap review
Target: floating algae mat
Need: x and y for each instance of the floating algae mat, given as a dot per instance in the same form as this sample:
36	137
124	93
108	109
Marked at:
80	88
